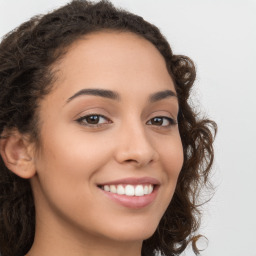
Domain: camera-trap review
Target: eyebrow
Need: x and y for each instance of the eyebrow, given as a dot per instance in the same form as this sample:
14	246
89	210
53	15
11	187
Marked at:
115	96
96	92
161	95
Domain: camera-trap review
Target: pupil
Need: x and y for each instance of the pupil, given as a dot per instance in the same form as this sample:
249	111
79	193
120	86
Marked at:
93	119
157	121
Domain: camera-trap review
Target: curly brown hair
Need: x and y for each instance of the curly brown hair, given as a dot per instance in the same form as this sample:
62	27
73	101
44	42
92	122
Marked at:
26	57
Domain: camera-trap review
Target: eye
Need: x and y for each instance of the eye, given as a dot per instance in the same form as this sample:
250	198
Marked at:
93	120
162	121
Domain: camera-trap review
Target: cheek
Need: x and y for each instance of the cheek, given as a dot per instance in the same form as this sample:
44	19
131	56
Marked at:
67	164
171	157
171	160
74	149
66	173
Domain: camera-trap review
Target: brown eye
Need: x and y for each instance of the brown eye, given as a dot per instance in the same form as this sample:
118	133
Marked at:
157	121
93	120
161	121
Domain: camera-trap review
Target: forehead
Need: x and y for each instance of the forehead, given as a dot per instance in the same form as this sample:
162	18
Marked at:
117	60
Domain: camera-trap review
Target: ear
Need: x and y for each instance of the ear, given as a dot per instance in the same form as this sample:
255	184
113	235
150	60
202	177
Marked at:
17	154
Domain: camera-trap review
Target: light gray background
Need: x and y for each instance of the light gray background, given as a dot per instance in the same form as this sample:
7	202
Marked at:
220	36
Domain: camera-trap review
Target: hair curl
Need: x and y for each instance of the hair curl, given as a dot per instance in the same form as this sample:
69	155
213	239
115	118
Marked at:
26	57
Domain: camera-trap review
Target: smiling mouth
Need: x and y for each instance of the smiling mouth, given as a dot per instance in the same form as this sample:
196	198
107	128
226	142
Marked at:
129	189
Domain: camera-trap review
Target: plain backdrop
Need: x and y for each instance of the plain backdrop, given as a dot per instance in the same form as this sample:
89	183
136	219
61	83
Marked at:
220	36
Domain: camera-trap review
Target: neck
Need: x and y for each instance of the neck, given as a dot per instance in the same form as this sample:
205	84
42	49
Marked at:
57	240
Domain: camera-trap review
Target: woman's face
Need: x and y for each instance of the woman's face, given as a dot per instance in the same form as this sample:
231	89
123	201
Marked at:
109	123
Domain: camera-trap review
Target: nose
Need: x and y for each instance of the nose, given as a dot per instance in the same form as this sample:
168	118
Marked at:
134	147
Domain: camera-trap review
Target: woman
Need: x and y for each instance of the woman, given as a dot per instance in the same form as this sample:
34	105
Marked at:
101	153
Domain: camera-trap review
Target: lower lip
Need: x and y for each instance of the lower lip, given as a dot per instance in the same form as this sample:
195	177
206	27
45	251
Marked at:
134	202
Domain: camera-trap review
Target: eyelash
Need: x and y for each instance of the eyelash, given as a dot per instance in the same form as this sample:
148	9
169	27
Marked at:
171	121
81	120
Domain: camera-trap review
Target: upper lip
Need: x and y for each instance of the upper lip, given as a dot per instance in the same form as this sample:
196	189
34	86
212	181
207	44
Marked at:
133	180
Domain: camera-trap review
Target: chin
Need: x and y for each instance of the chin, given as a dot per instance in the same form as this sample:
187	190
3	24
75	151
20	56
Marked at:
134	232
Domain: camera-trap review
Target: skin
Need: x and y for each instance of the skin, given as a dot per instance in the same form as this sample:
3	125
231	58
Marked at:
73	216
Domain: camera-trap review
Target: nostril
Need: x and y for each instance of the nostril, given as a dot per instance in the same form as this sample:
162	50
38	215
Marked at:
130	160
134	162
135	155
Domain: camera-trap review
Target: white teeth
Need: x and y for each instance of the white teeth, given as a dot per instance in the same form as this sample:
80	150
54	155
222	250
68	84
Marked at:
113	188
129	190
150	189
106	188
139	191
120	190
145	190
